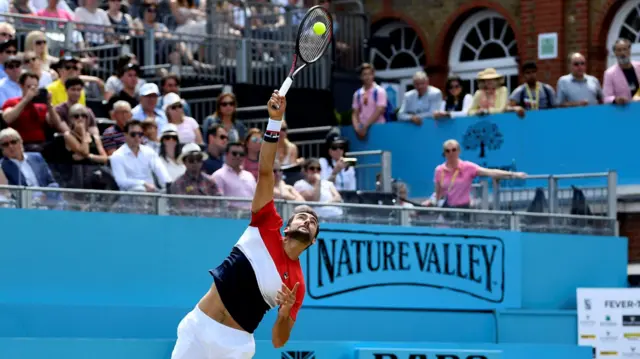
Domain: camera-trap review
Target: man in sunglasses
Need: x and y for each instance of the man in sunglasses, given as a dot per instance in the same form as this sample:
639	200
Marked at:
8	48
194	182
9	86
262	272
578	88
232	179
217	140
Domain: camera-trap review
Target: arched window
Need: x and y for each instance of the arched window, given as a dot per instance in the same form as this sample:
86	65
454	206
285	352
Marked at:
484	40
395	48
626	24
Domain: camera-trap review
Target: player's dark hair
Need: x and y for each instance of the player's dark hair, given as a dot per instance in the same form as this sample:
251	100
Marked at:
303	208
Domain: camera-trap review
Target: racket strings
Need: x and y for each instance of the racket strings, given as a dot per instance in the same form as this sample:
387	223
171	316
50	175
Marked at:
310	45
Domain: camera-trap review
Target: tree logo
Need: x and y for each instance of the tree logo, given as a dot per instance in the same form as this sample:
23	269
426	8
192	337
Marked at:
483	135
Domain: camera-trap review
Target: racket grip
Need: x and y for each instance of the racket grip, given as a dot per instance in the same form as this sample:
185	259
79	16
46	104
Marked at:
285	86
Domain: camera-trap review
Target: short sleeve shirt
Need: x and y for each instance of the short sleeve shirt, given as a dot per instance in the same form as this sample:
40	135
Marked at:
31	122
456	184
363	101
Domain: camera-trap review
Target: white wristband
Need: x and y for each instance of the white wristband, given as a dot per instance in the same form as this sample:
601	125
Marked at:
274	125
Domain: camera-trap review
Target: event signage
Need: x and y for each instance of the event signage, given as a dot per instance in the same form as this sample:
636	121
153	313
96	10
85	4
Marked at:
609	321
419	269
412	353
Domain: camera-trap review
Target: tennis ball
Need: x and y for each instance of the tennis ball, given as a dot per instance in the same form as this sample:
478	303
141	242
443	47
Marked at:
319	28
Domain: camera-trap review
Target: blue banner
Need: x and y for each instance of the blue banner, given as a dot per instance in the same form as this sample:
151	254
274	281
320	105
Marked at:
417	353
561	141
415	268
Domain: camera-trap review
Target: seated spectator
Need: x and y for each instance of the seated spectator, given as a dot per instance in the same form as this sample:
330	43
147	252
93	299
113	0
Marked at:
194	182
52	10
226	116
421	102
491	98
188	128
89	13
149	21
150	130
369	102
7	49
287	152
36	41
67	68
578	88
30	119
170	150
232	180
532	94
217	143
9	86
113	137
83	147
7	32
147	108
334	168
281	190
75	86
22	7
134	164
457	101
252	144
121	21
114	84
621	81
170	83
23	168
129	79
34	64
42	4
315	189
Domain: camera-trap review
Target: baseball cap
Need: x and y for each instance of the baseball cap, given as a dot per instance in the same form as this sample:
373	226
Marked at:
149	89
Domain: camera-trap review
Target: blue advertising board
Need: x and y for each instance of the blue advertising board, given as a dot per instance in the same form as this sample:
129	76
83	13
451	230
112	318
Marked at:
559	141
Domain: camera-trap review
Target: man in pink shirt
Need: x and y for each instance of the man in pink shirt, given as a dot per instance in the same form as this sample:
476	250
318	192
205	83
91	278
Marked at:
369	102
232	180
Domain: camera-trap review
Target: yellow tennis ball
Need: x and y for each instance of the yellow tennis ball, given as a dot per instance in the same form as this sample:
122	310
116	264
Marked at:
319	28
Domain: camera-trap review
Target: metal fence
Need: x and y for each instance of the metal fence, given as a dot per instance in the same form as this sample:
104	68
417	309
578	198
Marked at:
221	207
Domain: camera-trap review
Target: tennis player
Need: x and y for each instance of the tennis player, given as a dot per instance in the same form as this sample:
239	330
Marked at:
262	272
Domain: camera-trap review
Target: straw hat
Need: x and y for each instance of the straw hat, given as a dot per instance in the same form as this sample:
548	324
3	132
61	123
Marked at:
489	74
191	149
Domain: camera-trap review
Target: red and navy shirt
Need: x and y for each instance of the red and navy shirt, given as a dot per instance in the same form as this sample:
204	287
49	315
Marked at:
249	279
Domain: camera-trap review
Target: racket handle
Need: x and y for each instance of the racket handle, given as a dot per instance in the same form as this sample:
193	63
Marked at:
284	89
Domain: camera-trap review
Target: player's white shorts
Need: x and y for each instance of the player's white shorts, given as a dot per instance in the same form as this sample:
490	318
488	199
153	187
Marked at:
200	337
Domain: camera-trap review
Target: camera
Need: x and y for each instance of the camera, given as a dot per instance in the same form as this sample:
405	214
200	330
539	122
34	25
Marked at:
42	96
349	161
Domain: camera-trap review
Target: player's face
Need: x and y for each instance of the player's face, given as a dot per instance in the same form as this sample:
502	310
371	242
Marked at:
303	228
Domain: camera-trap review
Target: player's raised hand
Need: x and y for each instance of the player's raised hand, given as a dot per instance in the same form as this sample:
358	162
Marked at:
286	298
276	106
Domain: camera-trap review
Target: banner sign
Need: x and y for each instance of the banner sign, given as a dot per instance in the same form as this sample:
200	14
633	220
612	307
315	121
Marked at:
409	353
609	321
424	268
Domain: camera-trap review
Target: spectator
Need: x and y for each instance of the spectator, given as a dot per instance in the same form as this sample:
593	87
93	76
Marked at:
67	68
578	88
287	152
170	83
232	180
532	94
369	102
225	115
217	142
422	102
134	164
30	119
7	32
83	146
121	21
188	128
114	84
75	86
23	168
315	189
113	137
252	144
34	64
491	98
42	4
453	178
194	182
457	101
52	10
150	130
147	108
129	79
37	42
7	49
621	79
89	13
334	168
9	86
282	190
169	151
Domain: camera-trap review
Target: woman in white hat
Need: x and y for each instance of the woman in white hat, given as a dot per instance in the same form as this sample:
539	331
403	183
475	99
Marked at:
169	151
188	129
493	96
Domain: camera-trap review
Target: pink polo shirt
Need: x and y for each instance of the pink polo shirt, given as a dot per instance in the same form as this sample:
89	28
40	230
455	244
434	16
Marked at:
460	193
234	184
367	106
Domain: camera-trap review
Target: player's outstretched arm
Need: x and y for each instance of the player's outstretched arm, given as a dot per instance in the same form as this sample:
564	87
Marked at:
266	180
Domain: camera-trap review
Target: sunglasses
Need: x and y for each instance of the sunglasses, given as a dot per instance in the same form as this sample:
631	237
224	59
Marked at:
80	115
225	104
170	137
71	67
223	137
12	66
176	106
451	150
578	63
151	9
40	42
256	140
6	34
10	52
136	134
337	147
193	159
237	154
313	169
29	60
456	86
9	143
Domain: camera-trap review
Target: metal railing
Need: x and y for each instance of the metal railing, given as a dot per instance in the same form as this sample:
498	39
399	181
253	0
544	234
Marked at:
310	148
373	170
226	207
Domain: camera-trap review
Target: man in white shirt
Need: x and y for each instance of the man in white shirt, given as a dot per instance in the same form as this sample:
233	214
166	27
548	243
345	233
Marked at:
135	164
421	102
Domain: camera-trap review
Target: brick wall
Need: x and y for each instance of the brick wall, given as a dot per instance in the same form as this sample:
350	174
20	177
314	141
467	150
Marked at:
630	228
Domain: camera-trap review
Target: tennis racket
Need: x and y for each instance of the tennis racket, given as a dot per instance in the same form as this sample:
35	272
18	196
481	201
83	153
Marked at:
309	46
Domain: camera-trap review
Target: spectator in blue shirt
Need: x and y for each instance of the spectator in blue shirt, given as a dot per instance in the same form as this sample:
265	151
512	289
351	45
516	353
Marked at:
421	102
7	48
9	86
149	94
